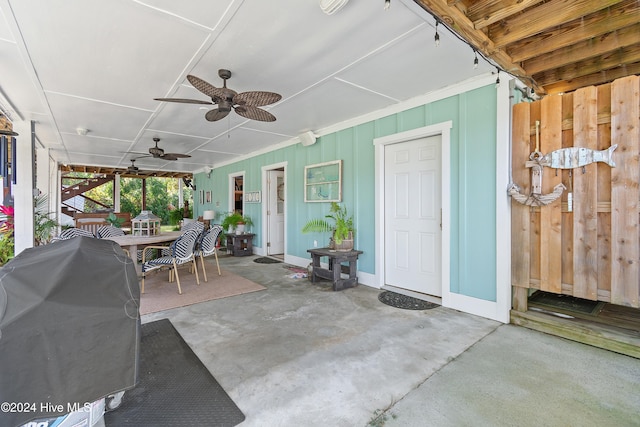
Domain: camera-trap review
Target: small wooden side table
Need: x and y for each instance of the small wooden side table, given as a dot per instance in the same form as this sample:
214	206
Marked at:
336	258
240	244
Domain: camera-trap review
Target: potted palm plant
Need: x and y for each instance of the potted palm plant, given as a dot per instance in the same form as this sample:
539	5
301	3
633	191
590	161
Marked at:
342	227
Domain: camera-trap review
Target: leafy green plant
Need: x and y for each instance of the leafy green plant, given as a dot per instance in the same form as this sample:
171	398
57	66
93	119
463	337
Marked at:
234	218
6	248
175	216
342	226
44	225
114	220
7	242
379	418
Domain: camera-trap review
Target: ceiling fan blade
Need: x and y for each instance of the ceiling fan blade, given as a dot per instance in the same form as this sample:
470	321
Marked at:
216	114
176	155
183	100
256	98
255	113
132	152
207	88
168	156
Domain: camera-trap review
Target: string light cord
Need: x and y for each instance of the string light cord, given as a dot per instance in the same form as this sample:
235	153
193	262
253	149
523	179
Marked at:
477	52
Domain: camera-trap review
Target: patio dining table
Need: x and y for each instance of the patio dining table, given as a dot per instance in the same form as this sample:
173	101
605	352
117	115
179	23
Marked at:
131	242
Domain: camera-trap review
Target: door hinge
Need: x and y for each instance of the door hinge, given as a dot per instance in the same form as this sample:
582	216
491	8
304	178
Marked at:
268	244
440	219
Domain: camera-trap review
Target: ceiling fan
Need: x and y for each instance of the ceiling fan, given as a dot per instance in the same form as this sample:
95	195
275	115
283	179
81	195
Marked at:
158	153
245	103
133	169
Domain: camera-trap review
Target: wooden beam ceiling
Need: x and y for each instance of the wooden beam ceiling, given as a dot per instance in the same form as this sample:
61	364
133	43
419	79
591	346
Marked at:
551	45
123	172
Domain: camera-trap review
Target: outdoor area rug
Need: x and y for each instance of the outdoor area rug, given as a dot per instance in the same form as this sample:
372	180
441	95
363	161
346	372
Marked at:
160	295
266	260
174	387
402	301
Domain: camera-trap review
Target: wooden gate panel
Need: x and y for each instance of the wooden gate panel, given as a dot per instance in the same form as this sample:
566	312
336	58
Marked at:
625	110
604	195
593	250
567	218
585	196
551	215
521	230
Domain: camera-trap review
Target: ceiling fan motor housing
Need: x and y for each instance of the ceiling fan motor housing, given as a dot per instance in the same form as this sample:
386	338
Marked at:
155	151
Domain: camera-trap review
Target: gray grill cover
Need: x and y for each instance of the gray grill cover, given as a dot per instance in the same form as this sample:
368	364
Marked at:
69	326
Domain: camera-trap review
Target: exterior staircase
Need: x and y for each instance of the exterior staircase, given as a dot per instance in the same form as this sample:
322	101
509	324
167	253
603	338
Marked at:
78	189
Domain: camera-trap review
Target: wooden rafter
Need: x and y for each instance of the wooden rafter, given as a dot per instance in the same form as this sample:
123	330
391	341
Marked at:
551	45
123	172
591	26
543	17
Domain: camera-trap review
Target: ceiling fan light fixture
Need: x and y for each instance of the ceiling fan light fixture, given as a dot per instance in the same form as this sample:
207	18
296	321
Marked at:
332	6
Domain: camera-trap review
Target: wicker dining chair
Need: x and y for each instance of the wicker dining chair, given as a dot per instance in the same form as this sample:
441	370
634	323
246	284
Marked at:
105	231
207	247
182	252
72	232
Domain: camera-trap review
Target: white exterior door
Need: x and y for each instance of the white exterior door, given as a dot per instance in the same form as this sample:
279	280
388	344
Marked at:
275	212
413	222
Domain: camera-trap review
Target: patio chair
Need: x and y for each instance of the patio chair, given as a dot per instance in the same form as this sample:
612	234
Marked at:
194	225
72	232
207	247
105	231
181	253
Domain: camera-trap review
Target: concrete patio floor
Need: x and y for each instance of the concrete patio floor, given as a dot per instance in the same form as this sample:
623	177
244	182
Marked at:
299	354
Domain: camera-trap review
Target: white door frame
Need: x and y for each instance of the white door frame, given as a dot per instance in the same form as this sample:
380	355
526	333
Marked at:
265	192
443	129
232	187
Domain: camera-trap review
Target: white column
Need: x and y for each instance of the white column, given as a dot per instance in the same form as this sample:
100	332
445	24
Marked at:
116	193
24	187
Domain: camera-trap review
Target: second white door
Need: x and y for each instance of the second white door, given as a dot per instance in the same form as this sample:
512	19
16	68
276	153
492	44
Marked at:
275	212
413	223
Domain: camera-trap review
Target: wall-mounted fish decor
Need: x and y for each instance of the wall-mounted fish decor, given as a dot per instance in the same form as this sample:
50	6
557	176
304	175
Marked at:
564	158
574	157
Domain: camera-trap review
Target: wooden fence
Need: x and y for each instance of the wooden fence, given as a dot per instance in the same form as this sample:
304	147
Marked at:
593	250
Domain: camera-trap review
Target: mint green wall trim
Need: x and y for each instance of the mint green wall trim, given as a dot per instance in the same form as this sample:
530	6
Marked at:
473	185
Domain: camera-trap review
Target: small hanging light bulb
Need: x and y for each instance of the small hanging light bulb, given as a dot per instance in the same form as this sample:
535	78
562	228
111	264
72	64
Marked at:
437	36
475	60
387	4
498	79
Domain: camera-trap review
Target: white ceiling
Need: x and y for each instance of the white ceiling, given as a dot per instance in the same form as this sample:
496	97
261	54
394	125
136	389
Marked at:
96	64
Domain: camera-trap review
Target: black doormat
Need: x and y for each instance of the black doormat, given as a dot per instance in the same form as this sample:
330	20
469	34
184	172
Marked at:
174	388
266	260
566	303
402	301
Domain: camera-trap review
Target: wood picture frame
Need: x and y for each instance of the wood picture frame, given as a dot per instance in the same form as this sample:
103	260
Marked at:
323	182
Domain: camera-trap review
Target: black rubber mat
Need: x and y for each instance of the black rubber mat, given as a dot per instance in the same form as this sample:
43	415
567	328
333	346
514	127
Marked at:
402	301
174	388
266	260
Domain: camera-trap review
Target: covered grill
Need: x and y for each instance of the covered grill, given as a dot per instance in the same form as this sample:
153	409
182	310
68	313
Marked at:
69	327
